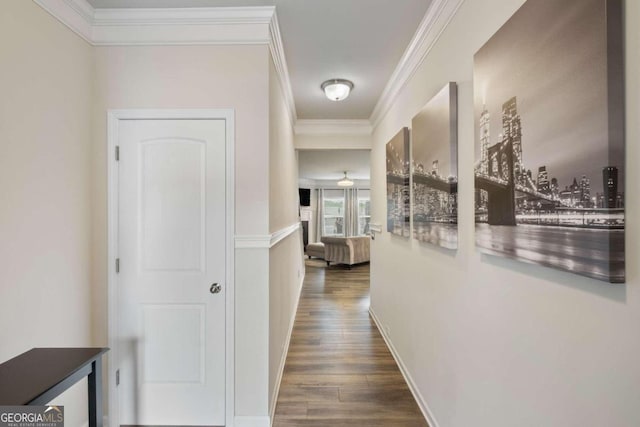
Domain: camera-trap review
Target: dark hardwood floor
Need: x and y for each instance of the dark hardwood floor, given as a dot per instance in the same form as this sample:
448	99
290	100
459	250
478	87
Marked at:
339	371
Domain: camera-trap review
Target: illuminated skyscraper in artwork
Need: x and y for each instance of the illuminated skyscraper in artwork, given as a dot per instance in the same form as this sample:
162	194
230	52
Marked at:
512	131
543	180
485	140
610	185
585	192
555	189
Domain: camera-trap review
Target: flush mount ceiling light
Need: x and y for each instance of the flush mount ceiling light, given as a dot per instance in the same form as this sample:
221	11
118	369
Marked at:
337	89
345	182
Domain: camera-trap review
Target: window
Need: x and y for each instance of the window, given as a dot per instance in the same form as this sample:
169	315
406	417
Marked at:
364	212
333	208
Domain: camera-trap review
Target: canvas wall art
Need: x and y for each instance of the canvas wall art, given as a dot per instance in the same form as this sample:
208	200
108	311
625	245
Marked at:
435	170
549	122
398	184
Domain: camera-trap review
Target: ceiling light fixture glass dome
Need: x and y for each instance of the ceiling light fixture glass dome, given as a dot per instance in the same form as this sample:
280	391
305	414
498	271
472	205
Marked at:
345	182
337	89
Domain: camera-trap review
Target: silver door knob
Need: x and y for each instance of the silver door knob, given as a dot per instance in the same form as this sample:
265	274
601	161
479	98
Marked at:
215	288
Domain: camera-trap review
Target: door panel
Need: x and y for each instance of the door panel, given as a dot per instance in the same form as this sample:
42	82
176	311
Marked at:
171	249
177	332
173	204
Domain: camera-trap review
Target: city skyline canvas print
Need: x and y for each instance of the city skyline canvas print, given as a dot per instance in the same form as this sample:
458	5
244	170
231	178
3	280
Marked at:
435	170
549	125
398	184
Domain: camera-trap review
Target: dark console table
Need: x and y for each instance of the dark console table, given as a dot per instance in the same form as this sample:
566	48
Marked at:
41	374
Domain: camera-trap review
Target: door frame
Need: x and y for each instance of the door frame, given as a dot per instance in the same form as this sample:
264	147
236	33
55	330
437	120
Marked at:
114	117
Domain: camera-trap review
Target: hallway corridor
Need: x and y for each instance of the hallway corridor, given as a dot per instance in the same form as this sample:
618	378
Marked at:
339	371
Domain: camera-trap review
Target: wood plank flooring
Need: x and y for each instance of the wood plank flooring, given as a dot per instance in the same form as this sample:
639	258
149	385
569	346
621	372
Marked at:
339	371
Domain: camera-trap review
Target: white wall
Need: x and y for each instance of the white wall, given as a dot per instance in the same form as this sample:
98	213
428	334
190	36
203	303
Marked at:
199	77
330	164
45	213
494	342
331	184
333	142
286	268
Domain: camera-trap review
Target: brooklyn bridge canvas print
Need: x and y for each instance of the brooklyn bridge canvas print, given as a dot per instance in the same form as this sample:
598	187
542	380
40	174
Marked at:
549	123
398	184
435	170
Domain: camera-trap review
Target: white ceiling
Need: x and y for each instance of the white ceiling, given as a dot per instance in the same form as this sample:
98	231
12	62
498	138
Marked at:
360	40
331	164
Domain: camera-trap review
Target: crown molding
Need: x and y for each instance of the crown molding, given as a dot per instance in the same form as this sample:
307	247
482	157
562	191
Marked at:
75	14
280	62
182	26
177	26
333	127
165	26
184	16
242	25
433	24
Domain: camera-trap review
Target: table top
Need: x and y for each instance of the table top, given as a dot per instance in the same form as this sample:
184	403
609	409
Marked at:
28	375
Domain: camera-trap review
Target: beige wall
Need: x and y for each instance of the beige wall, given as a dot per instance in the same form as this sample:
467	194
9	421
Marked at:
252	335
494	342
283	163
45	213
286	271
176	77
286	268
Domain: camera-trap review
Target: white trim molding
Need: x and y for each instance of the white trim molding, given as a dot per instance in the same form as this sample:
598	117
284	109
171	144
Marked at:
405	373
75	14
181	26
242	25
433	24
253	241
184	15
283	233
333	127
178	26
280	62
265	241
164	26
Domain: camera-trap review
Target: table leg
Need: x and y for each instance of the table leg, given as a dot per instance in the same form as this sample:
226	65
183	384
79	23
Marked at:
95	394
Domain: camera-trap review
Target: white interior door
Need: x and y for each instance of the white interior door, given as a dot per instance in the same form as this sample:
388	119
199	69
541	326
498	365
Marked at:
171	313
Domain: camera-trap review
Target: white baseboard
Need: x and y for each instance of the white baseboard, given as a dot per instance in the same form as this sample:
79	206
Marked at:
240	421
422	404
274	398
